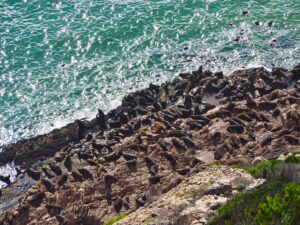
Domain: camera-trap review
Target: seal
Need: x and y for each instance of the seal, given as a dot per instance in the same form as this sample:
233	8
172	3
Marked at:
68	163
62	179
131	164
48	173
170	158
127	156
118	204
155	179
55	168
35	175
77	176
49	185
183	171
53	210
85	174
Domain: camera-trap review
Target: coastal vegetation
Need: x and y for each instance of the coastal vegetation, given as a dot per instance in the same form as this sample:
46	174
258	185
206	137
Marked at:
115	219
275	202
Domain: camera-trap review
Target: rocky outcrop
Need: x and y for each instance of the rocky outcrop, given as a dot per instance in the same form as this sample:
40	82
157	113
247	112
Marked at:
157	140
195	200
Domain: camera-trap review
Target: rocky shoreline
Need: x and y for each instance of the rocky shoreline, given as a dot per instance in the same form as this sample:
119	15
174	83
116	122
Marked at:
159	138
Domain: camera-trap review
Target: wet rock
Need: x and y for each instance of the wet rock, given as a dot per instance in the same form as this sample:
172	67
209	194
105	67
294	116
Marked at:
5	179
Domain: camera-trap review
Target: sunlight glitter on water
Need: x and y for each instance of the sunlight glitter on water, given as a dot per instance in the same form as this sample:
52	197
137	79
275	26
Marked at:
60	61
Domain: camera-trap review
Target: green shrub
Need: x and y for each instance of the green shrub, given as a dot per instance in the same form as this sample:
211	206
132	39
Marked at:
182	207
264	169
281	210
115	219
275	202
242	208
148	219
292	159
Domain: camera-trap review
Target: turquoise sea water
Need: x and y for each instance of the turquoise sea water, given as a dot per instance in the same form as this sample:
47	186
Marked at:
61	60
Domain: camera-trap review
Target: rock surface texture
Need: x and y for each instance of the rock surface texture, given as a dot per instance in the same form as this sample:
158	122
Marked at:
156	149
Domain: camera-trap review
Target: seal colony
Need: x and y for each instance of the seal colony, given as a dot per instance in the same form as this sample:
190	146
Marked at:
157	138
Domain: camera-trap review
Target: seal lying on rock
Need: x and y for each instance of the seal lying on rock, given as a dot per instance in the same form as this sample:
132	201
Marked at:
199	118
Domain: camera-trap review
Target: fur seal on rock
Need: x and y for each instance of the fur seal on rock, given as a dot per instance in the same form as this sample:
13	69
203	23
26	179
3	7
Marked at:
170	158
155	179
61	220
92	162
114	156
48	173
183	171
139	203
109	179
131	164
101	119
118	203
49	185
62	179
77	176
149	162
85	174
68	163
127	156
84	155
188	102
35	175
55	168
53	209
36	199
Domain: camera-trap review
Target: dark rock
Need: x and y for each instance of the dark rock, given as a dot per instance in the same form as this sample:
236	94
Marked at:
220	188
5	179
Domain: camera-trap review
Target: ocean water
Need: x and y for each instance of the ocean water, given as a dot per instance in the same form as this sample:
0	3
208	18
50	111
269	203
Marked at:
61	60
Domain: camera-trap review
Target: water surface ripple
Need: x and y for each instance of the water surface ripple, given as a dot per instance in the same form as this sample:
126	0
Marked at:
61	60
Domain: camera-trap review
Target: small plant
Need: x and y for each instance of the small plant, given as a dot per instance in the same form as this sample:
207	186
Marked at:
241	187
182	207
148	219
115	219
